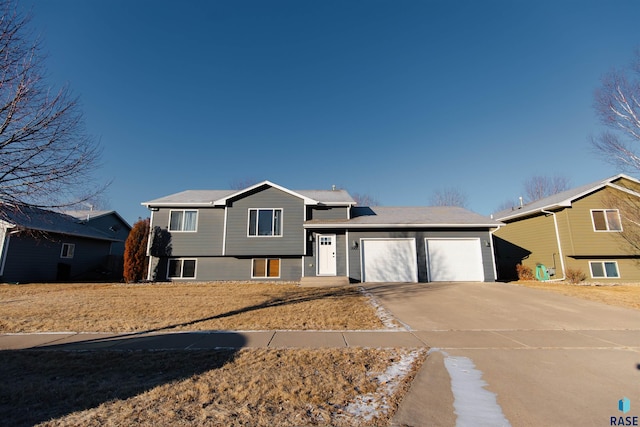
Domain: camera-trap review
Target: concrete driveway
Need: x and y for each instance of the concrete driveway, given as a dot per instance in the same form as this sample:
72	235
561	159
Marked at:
508	355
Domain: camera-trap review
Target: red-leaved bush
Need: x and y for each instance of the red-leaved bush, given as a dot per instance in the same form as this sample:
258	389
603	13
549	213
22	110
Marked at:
135	252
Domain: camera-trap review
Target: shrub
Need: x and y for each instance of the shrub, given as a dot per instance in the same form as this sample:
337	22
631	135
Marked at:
575	275
135	252
524	272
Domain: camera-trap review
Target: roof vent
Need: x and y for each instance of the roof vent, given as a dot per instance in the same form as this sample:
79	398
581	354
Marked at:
333	187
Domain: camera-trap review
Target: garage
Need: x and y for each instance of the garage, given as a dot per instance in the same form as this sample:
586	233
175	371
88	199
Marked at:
454	260
389	260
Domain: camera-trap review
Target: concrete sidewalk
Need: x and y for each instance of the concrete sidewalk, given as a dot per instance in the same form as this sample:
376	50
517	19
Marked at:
73	341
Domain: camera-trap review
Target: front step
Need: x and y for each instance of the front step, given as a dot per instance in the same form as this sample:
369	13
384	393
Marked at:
323	281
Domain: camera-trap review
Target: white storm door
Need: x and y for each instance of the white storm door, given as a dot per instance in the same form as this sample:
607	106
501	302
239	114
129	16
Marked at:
326	254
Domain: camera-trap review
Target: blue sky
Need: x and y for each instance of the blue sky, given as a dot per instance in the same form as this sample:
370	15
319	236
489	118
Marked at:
391	98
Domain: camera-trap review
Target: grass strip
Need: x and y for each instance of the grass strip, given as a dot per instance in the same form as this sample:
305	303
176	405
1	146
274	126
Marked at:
168	306
251	387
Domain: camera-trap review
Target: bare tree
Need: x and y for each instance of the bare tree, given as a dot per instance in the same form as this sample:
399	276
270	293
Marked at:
46	157
629	208
538	187
617	104
449	196
364	199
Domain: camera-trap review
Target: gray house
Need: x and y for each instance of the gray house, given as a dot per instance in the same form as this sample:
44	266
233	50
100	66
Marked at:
38	245
267	231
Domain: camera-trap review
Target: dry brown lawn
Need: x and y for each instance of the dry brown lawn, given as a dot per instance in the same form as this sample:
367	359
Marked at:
248	387
266	387
182	306
620	295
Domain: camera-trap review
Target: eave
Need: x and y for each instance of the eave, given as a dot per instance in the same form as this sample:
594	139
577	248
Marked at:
382	226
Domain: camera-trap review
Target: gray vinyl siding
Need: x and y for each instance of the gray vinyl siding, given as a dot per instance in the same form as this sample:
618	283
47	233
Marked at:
355	271
341	258
292	241
36	260
104	224
229	268
327	212
206	240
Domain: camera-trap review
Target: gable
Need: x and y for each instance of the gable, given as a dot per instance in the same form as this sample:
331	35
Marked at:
566	198
258	188
627	183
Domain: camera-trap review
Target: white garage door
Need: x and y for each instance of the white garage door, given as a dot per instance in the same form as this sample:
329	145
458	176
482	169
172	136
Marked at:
389	260
454	260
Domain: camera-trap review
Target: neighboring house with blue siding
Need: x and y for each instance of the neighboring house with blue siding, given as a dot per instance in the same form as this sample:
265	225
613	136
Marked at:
38	245
267	231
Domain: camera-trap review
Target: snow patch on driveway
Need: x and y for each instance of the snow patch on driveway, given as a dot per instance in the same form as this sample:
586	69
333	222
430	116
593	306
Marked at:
387	319
474	405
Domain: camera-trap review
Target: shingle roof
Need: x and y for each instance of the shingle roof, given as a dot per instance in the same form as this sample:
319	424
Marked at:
84	215
328	196
210	197
563	199
191	197
431	216
48	221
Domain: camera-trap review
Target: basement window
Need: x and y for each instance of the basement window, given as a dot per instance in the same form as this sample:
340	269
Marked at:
265	268
604	269
181	269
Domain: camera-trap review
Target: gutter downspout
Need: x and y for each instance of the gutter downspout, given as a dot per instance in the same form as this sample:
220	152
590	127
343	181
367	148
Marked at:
555	223
493	254
149	237
4	246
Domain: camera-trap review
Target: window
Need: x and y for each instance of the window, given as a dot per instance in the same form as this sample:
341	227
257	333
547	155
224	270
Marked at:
183	220
67	250
181	269
606	220
265	267
604	269
265	222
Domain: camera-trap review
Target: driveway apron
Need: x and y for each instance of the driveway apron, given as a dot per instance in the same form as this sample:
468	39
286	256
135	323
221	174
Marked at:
504	354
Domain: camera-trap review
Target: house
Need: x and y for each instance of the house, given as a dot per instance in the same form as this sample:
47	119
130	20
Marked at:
110	222
583	229
267	231
38	245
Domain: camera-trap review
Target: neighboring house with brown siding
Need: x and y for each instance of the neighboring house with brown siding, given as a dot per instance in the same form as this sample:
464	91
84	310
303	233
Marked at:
580	229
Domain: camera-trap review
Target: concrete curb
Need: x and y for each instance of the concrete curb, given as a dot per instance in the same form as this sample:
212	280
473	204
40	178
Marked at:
202	340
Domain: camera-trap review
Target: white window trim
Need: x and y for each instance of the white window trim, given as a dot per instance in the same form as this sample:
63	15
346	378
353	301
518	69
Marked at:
265	269
182	230
72	248
593	223
195	270
272	224
604	269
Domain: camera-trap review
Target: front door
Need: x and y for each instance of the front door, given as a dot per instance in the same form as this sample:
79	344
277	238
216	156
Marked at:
326	253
